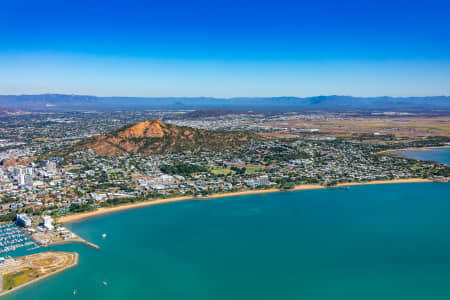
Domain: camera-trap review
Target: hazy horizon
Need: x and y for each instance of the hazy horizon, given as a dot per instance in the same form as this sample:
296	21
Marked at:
228	98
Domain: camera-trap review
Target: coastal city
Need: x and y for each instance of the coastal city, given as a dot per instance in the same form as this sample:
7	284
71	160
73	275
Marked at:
83	180
225	150
48	173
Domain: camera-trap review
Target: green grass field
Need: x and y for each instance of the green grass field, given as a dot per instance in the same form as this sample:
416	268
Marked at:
249	169
13	280
221	171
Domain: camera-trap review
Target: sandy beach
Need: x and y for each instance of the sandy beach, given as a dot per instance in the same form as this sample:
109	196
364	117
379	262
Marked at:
105	210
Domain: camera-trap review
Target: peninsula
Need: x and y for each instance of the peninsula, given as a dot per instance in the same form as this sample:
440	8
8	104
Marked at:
20	272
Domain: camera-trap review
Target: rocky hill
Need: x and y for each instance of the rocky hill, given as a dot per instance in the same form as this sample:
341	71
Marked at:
156	137
12	162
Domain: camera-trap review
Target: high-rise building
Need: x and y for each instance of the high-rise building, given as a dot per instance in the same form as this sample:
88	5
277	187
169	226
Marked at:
18	171
29	171
263	180
21	179
23	220
47	222
28	180
50	166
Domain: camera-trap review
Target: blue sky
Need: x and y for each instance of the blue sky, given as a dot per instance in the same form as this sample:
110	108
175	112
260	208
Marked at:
225	48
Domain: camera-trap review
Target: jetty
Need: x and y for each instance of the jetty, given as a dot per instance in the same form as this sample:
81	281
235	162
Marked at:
80	241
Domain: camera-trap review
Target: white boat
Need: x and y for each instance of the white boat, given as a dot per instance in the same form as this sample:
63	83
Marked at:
104	235
74	292
104	283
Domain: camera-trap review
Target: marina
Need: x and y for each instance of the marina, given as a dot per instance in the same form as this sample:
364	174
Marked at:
12	238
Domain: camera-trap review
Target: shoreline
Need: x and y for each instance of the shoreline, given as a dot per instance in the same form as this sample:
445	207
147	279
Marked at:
415	149
102	211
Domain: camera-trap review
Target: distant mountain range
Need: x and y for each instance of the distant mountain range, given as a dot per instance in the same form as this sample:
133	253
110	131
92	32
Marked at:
156	137
60	102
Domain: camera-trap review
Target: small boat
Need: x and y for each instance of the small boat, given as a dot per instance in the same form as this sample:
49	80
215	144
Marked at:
104	235
74	292
104	283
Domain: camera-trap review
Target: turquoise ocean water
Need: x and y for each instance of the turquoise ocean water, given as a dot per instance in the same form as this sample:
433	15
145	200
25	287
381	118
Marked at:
367	242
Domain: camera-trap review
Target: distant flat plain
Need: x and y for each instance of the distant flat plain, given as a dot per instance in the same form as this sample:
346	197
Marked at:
400	126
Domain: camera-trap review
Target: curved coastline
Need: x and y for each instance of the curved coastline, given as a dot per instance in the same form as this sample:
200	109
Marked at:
106	210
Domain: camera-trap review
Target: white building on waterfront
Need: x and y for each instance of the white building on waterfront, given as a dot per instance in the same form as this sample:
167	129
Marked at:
23	220
99	197
263	180
47	222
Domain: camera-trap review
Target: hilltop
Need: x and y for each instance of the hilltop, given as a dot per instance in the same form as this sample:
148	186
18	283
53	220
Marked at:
156	137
